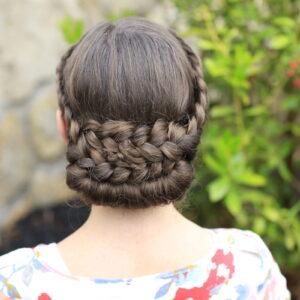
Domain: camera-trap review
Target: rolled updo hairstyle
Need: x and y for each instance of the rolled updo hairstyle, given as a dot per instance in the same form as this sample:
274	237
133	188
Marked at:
134	100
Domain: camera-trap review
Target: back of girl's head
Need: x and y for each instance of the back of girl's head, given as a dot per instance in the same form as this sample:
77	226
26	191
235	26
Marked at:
134	100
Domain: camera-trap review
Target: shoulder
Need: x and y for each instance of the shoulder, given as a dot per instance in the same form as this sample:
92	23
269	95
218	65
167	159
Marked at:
244	241
13	272
253	262
15	257
249	252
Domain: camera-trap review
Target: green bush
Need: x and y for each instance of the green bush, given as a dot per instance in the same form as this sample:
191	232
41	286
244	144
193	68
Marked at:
248	169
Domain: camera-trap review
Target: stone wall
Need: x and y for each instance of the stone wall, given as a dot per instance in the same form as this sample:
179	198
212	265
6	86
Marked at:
32	160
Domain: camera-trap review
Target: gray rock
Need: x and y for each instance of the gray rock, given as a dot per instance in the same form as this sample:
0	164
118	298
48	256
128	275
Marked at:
16	160
30	44
48	187
46	140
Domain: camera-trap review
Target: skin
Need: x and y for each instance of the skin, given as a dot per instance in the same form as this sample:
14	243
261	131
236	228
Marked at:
123	243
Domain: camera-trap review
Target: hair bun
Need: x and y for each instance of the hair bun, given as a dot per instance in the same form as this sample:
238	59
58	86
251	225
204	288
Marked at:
138	161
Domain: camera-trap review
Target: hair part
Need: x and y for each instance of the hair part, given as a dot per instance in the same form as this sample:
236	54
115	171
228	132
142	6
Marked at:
134	99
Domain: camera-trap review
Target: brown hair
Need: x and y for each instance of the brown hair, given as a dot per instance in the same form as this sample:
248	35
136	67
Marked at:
134	99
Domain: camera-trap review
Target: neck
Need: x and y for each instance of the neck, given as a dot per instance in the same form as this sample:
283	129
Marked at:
137	241
131	223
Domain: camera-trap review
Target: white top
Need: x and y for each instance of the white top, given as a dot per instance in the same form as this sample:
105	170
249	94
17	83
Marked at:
240	266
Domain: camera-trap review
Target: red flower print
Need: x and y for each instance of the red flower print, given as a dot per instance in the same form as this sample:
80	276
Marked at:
4	297
44	296
213	281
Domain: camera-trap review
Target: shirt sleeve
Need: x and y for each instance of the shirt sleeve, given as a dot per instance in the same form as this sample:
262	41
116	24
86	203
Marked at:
11	266
274	285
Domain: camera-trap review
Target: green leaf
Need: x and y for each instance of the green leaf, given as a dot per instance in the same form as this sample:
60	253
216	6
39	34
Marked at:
193	31
252	179
221	111
271	213
258	197
259	225
218	189
237	164
289	240
284	22
233	201
256	111
206	44
244	96
216	67
214	164
279	42
284	172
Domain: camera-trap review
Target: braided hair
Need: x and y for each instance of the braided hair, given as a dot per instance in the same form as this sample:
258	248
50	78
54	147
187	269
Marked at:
134	99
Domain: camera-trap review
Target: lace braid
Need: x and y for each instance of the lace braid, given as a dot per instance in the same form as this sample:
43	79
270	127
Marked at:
200	87
60	83
125	164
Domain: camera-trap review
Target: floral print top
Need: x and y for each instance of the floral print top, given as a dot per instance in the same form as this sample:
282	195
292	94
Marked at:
240	266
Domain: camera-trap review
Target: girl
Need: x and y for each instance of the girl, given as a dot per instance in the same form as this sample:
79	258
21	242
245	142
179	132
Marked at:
132	104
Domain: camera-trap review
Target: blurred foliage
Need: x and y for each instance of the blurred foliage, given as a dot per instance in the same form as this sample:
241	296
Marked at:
72	29
249	158
123	14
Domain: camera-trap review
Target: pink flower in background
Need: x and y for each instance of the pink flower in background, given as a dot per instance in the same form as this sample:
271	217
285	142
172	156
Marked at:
294	73
296	83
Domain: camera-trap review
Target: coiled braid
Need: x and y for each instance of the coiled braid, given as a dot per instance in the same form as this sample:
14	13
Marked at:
60	84
128	164
200	88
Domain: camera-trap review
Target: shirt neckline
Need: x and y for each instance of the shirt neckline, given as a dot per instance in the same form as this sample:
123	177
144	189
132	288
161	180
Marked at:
61	268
